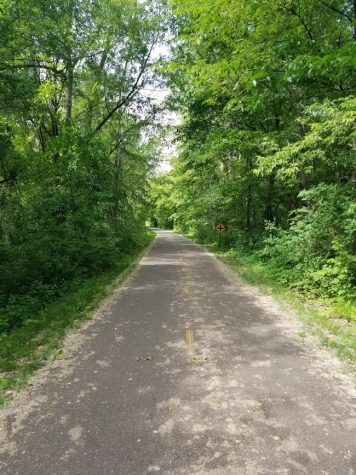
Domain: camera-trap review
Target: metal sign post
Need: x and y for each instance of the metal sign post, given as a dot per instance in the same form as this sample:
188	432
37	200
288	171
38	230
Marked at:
220	229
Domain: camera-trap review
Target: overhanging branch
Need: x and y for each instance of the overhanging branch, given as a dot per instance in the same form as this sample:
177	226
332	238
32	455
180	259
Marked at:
6	67
336	10
130	94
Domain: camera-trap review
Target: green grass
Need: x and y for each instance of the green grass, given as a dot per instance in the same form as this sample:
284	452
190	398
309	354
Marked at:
40	338
332	321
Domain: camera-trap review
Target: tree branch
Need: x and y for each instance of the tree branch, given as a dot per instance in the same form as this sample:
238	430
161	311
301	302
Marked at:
5	67
336	10
295	13
132	92
124	135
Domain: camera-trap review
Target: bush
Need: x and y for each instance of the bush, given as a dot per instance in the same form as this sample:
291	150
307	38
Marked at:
317	252
65	221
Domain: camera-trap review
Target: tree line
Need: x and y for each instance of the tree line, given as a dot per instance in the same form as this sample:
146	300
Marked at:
75	149
266	93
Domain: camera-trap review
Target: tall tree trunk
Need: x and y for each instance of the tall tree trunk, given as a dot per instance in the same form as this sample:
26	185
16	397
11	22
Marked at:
69	102
270	196
70	64
249	196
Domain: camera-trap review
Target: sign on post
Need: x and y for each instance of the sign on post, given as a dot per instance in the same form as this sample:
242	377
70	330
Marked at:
220	229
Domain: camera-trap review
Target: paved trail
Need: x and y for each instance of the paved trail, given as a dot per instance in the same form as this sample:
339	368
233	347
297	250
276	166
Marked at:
189	372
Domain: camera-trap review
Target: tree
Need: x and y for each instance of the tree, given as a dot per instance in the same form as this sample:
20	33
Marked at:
75	156
265	90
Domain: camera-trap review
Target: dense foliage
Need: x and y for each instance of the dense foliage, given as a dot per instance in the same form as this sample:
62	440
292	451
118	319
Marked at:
74	146
267	144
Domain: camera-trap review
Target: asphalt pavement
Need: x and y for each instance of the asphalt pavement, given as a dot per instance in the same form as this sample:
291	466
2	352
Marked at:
184	370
